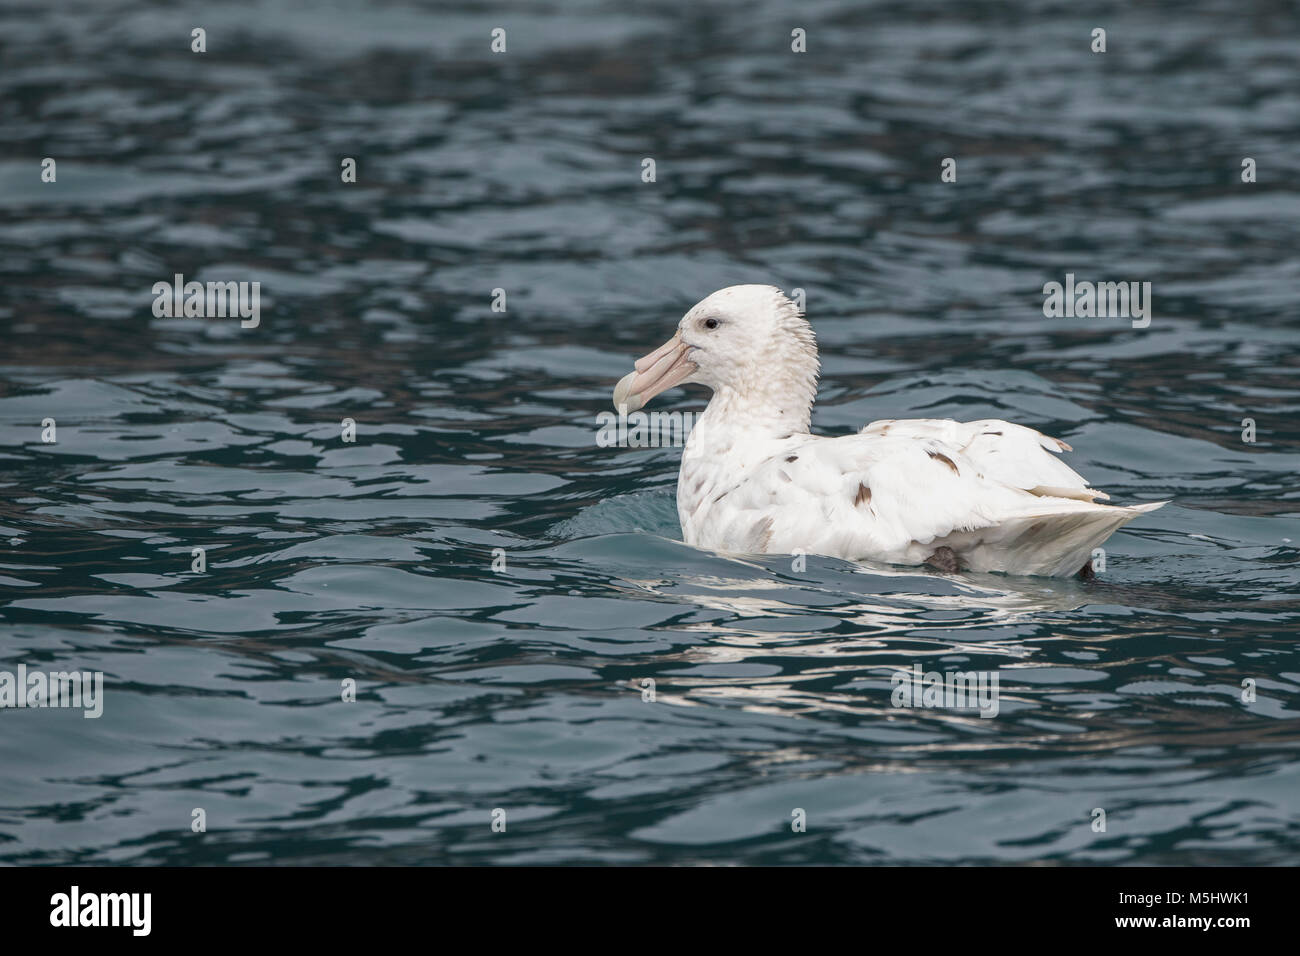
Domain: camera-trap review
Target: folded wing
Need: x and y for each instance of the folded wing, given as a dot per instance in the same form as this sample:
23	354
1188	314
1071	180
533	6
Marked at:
992	491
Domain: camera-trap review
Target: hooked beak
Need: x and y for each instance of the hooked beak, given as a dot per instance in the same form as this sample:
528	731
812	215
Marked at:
657	372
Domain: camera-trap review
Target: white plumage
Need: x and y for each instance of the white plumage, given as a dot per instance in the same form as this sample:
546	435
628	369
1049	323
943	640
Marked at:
984	496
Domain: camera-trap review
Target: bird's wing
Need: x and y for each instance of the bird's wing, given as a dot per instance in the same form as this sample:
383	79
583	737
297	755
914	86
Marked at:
857	494
897	493
1004	451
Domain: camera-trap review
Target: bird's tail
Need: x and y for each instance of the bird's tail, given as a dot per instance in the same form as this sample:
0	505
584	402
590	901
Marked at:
1056	538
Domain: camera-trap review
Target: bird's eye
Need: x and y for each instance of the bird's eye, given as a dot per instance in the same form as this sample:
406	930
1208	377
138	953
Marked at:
711	323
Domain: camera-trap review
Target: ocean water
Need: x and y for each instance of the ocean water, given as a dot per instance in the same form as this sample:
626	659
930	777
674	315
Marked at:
1166	693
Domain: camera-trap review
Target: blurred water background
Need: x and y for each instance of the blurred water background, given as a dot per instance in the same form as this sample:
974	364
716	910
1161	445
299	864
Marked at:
476	430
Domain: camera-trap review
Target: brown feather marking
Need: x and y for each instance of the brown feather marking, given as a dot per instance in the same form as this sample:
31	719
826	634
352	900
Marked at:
945	459
863	496
793	458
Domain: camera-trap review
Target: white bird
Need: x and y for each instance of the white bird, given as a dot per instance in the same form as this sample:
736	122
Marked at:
980	496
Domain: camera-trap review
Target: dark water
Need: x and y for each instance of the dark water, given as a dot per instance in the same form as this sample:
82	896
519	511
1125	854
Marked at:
519	689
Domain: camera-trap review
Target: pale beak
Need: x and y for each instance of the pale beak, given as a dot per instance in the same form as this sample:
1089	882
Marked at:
657	372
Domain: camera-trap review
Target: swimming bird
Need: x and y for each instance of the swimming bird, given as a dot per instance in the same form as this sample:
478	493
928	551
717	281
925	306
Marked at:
980	496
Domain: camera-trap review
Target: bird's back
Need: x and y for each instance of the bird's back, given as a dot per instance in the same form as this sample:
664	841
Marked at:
990	491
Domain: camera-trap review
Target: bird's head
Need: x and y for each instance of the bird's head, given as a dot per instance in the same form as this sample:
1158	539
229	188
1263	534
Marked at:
747	342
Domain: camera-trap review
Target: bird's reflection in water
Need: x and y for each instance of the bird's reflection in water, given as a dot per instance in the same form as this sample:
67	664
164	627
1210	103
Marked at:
786	646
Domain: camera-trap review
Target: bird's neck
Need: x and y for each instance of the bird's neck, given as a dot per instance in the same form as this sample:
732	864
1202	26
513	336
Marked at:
733	435
772	413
